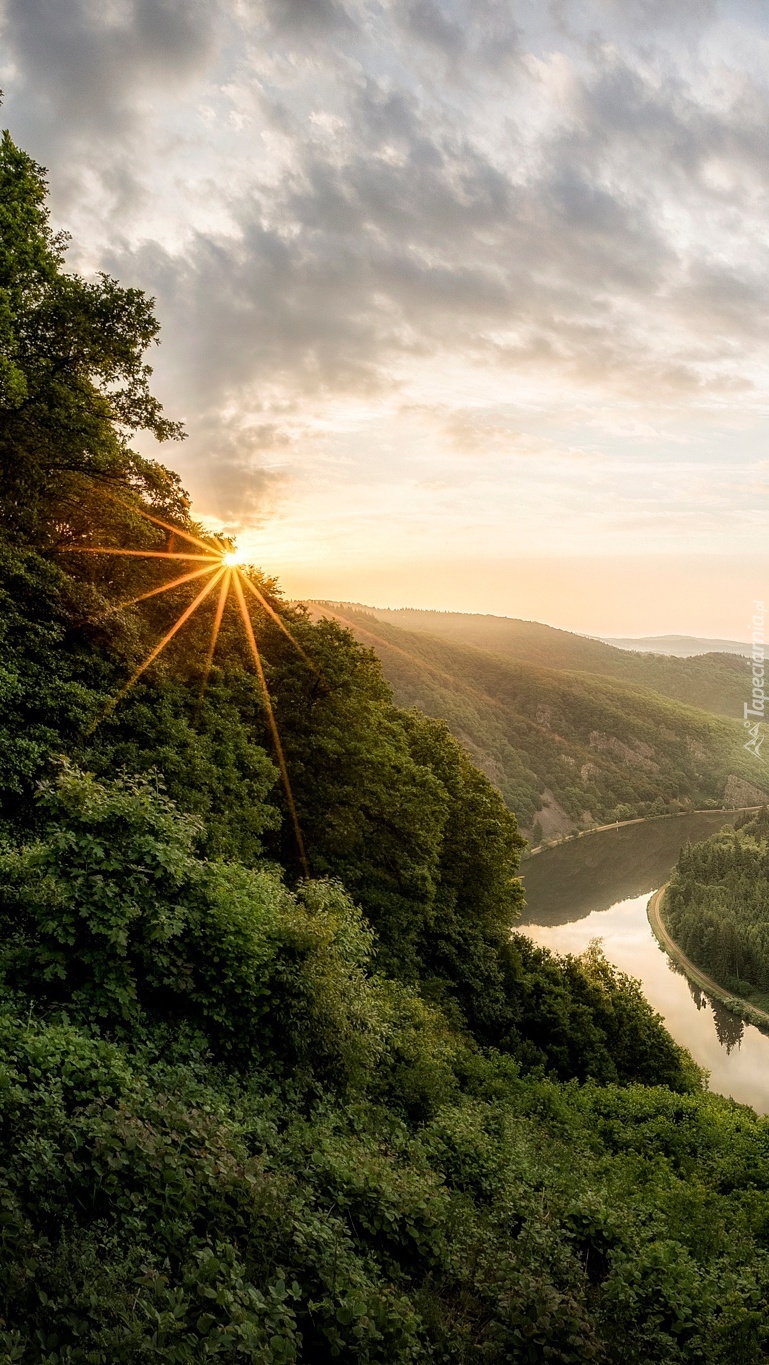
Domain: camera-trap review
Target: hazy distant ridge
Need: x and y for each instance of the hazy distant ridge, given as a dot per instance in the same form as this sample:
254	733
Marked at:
683	646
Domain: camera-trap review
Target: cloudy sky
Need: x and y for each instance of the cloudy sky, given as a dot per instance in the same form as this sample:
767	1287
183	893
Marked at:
465	303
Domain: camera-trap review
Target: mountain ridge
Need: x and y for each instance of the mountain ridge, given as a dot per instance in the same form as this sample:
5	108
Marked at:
718	683
567	749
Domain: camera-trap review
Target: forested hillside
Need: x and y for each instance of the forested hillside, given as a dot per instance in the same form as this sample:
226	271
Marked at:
252	1116
717	907
713	682
565	750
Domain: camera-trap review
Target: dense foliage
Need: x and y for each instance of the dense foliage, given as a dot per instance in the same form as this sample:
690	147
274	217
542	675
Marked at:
224	1136
589	748
251	1117
717	906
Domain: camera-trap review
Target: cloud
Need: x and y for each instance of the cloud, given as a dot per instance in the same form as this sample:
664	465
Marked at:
409	228
232	474
306	19
333	199
477	432
404	235
464	33
84	64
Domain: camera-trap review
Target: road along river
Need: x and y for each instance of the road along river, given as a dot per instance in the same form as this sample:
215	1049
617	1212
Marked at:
598	887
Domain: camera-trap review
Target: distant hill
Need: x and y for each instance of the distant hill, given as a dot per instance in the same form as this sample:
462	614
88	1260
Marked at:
567	750
683	646
714	682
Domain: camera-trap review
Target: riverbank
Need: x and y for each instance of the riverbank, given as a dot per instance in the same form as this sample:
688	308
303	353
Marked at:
638	820
735	1004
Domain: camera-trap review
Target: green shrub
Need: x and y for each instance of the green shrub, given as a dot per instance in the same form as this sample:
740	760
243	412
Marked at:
111	919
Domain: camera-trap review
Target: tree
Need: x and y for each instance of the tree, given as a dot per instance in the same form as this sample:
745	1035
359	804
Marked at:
74	384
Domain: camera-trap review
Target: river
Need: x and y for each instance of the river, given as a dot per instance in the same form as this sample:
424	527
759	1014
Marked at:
598	887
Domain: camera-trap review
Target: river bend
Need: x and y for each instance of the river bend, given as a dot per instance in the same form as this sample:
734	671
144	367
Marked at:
598	887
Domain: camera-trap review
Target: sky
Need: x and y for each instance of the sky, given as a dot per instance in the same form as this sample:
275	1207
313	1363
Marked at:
464	303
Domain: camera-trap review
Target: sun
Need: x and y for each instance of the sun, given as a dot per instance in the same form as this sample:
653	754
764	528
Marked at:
219	566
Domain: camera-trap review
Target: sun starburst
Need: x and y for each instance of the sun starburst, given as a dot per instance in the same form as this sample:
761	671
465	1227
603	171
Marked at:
220	565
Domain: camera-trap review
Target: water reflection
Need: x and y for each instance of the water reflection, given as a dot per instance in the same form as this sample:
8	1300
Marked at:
564	883
729	1027
598	888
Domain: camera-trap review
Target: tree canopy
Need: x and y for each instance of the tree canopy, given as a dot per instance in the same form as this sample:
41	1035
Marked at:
74	381
717	906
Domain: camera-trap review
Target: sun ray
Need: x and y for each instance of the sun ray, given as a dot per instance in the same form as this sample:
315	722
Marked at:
137	554
278	621
272	722
221	604
166	587
220	564
169	635
167	526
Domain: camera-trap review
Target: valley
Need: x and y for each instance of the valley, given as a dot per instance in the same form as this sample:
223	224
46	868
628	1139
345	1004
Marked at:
571	731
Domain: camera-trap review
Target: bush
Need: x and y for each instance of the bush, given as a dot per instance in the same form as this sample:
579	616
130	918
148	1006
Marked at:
111	919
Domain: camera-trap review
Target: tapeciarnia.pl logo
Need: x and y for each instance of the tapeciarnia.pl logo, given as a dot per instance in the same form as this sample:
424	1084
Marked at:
755	709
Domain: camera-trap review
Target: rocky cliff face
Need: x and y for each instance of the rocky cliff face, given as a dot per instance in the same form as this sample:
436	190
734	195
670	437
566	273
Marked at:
738	792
